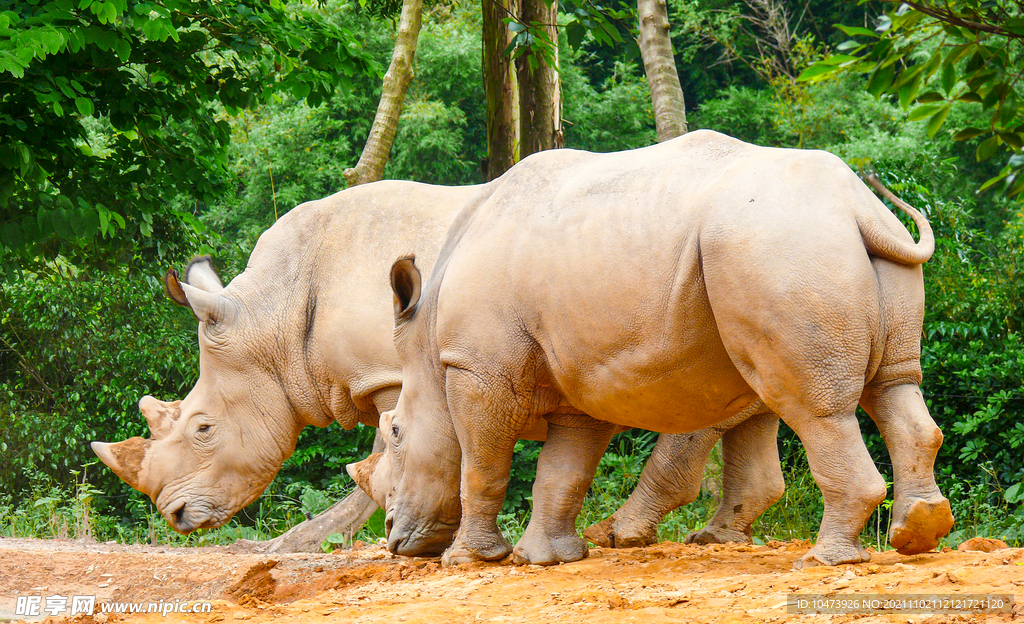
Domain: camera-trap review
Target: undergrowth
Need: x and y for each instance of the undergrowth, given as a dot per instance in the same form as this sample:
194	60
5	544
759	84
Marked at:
982	509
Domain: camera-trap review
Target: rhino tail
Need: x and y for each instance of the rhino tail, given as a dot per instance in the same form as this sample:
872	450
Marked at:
880	240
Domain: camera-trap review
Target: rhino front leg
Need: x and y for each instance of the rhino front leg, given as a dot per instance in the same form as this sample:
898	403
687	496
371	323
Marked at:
565	469
752	479
487	439
921	515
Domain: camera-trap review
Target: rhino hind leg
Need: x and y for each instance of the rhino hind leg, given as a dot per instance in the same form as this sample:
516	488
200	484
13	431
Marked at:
920	514
752	480
670	479
850	484
565	470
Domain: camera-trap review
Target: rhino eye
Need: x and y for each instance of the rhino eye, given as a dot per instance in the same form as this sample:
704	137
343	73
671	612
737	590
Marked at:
203	428
394	430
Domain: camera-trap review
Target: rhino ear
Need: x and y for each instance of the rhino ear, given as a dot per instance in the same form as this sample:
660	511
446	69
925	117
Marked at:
172	286
126	459
160	416
200	273
405	283
208	307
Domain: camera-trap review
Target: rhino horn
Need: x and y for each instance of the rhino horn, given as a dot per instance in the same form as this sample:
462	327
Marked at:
200	273
160	416
363	473
208	307
125	459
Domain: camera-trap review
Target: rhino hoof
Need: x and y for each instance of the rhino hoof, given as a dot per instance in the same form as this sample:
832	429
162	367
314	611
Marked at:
543	550
824	554
922	527
717	535
616	533
601	534
459	553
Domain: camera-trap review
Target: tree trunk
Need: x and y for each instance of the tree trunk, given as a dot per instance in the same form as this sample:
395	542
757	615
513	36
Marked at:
370	167
660	67
500	89
540	94
346	516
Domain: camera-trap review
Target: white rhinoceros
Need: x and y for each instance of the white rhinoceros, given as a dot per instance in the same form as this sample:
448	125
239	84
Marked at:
666	288
304	337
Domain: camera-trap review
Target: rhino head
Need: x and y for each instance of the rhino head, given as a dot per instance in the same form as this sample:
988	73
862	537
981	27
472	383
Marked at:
214	452
416	479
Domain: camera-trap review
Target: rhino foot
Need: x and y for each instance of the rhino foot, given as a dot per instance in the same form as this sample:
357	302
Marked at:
543	550
459	552
921	527
831	554
614	533
717	535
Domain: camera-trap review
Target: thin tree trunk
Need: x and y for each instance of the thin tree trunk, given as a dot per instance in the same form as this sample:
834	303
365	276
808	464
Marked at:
370	167
660	67
540	94
500	89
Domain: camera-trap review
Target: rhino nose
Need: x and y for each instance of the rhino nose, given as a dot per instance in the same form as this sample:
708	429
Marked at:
185	518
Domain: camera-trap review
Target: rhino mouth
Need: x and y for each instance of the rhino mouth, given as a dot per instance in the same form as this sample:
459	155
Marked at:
427	539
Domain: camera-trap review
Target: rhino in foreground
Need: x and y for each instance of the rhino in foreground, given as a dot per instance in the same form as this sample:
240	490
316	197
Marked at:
667	288
304	337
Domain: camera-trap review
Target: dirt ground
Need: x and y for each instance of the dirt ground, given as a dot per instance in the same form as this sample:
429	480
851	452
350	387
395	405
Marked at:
667	582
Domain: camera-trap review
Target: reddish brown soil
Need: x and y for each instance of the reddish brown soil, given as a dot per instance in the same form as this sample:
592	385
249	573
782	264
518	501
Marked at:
664	583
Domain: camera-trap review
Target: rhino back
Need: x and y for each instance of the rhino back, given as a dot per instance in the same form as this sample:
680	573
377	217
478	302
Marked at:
319	278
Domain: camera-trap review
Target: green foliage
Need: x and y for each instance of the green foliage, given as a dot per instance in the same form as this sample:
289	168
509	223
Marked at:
158	78
75	358
616	115
938	56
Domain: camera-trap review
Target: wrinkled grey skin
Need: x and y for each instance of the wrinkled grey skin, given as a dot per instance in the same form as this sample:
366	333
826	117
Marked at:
304	336
667	288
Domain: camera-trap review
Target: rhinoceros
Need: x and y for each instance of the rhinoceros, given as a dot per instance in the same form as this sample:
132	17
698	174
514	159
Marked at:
304	337
666	288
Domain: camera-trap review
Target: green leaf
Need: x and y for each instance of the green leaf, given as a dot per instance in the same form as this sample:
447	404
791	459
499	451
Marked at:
931	96
987	148
970	97
854	31
880	80
1012	139
818	70
934	63
84	106
925	110
948	76
123	49
908	92
968	133
937	120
